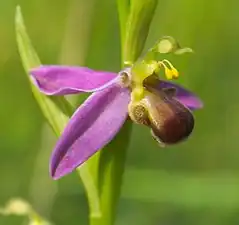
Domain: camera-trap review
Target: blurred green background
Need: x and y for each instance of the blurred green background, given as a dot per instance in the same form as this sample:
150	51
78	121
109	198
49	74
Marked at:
196	182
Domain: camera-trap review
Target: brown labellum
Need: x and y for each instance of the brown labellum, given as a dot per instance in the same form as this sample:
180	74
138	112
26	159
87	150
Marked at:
169	120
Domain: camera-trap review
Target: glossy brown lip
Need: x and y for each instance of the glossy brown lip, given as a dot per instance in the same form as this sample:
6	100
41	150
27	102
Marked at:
170	121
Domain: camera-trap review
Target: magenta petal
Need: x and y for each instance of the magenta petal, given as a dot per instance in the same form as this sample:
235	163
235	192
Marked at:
62	80
183	95
91	127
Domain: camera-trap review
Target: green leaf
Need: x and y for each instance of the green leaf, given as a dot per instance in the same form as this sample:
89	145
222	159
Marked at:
138	24
123	11
56	109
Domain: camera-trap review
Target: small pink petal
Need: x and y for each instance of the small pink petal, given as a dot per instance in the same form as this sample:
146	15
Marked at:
62	80
183	95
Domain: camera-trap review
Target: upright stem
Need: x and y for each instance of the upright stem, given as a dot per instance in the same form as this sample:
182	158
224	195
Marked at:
110	174
135	17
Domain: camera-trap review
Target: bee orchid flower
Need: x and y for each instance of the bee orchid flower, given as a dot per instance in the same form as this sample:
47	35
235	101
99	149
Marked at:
161	105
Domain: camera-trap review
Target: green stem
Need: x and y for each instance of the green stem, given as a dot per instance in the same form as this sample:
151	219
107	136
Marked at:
135	17
110	175
111	160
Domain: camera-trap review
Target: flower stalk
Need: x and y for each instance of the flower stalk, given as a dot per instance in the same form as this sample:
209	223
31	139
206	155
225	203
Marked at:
134	17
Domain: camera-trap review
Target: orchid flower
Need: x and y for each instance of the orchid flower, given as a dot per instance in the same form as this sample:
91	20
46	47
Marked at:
135	92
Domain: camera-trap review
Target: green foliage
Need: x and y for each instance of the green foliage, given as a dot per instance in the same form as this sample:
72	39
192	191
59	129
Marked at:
57	110
137	28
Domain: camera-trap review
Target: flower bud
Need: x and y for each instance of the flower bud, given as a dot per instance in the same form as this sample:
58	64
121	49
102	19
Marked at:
168	44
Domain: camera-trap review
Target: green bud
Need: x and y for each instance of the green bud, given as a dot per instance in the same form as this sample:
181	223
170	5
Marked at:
20	207
168	44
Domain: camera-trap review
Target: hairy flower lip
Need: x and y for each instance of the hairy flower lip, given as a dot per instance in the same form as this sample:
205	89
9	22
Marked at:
171	122
100	114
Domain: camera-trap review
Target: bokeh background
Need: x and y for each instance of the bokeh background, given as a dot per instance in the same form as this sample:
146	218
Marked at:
196	182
